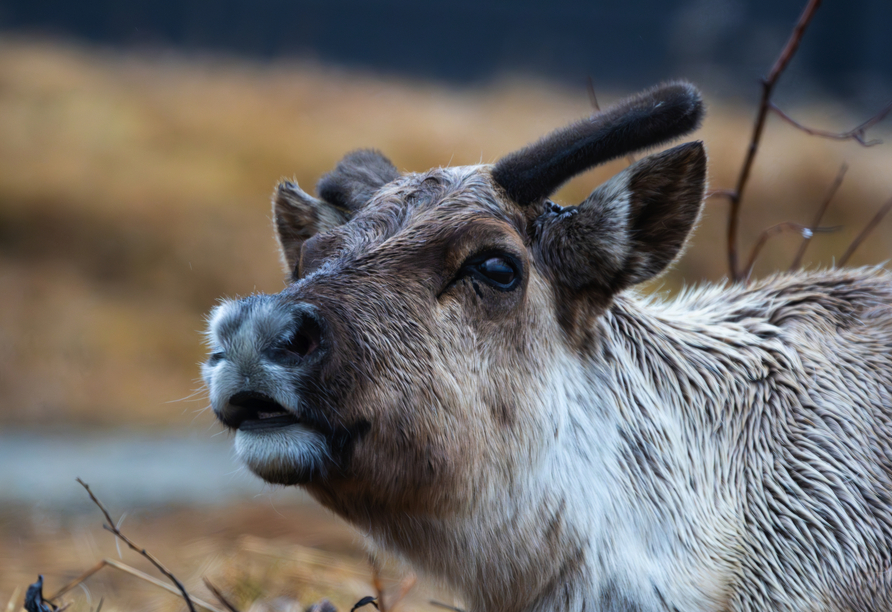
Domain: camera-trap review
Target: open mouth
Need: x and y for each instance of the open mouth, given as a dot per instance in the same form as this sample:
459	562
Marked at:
251	411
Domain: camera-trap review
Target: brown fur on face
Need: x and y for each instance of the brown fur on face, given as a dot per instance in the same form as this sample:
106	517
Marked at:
393	278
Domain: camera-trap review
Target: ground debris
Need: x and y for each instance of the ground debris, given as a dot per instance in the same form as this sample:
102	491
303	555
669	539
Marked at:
34	601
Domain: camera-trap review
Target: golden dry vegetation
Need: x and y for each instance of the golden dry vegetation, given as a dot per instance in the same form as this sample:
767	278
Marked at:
134	192
262	559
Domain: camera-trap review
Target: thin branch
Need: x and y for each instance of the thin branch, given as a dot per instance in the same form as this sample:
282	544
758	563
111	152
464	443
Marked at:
767	88
77	581
884	209
774	230
806	239
133	572
158	583
110	526
857	133
219	595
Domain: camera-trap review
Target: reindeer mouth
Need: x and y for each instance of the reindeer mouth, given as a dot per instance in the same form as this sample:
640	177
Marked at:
252	411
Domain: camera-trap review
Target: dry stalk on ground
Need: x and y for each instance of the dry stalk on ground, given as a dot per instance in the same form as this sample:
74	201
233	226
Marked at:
110	526
401	590
133	572
220	597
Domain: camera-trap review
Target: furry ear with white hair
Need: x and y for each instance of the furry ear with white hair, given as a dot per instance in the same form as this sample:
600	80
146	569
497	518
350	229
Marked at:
630	228
298	216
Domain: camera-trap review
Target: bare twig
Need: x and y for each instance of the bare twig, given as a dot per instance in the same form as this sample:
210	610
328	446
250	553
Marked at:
77	581
110	526
884	209
219	595
806	238
158	583
767	88
133	572
774	230
858	133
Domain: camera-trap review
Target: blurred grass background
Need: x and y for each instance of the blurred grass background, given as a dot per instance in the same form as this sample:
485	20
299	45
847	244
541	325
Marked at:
134	192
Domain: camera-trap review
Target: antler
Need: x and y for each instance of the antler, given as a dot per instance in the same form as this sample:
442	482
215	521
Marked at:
650	118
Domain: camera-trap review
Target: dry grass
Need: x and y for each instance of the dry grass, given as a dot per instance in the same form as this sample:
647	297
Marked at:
134	190
256	555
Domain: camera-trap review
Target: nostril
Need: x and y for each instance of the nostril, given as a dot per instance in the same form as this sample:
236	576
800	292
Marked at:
306	339
304	342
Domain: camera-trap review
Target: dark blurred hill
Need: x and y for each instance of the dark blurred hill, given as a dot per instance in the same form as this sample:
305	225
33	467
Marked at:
621	45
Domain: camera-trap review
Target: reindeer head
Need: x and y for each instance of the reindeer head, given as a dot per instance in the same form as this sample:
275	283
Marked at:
419	358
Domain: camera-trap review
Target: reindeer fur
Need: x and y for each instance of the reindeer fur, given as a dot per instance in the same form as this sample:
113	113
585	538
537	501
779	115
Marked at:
557	443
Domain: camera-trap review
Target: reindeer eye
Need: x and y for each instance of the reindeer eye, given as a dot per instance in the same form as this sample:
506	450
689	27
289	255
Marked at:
497	270
500	271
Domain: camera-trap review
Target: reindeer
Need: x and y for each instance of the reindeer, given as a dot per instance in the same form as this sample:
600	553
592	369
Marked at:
462	369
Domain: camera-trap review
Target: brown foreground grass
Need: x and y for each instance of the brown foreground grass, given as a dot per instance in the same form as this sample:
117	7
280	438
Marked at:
134	193
263	559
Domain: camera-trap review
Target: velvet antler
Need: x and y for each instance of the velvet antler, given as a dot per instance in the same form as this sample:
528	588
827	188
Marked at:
648	119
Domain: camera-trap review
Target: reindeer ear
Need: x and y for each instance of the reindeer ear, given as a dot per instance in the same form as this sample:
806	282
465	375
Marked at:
630	228
356	178
298	217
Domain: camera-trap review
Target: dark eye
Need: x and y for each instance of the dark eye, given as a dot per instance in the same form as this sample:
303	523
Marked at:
497	270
